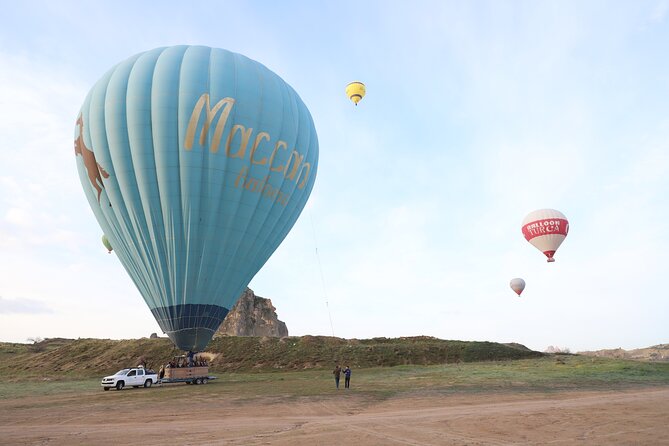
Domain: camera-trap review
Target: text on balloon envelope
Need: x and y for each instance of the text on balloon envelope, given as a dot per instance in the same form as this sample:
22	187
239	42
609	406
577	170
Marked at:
294	169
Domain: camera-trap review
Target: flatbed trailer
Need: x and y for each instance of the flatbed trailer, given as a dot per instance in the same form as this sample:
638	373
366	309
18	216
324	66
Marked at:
188	375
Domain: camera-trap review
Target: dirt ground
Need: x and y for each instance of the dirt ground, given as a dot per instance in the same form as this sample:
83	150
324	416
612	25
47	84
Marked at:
135	416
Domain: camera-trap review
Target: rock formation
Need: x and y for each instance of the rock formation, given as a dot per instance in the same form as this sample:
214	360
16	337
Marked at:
659	353
252	316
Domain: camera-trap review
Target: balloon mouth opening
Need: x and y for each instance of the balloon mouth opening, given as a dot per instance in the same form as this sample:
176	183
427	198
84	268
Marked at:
191	339
190	326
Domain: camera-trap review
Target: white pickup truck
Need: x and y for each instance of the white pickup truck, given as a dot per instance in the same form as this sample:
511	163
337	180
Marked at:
136	377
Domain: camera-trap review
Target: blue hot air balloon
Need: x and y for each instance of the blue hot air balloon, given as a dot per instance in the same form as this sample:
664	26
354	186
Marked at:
196	162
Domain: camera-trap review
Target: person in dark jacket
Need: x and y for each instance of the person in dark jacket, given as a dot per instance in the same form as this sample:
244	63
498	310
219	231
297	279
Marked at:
337	373
347	377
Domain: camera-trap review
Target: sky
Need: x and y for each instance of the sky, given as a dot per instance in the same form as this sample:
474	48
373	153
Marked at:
476	114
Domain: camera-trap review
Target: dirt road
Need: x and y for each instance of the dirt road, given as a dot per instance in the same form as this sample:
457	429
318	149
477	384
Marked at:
134	416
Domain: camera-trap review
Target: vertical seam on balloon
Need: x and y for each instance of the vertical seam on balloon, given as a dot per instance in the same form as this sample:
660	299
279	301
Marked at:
145	230
155	242
229	260
168	289
301	201
304	196
108	222
286	212
167	297
108	226
136	223
109	229
225	260
201	311
176	221
205	157
244	257
185	229
289	211
269	232
265	252
133	254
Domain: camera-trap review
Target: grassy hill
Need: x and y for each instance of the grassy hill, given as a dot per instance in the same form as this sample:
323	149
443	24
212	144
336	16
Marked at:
83	358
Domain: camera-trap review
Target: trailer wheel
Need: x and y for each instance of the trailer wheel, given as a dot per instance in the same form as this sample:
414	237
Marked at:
148	383
205	380
197	381
119	385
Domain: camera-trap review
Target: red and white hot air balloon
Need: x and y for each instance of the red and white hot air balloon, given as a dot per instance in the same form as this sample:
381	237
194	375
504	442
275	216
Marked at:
517	285
546	229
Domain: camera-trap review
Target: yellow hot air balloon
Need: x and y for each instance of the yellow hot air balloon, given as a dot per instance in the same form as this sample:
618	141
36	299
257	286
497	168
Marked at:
355	91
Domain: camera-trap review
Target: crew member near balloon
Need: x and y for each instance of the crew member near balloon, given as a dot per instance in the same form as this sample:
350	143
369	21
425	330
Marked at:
337	374
347	377
546	229
196	162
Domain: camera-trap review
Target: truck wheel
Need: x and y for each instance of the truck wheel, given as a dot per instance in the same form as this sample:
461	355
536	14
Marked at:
105	388
119	385
198	381
205	380
148	383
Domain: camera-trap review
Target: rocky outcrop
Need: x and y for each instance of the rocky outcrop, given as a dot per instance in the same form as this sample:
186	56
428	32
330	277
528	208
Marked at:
658	353
252	316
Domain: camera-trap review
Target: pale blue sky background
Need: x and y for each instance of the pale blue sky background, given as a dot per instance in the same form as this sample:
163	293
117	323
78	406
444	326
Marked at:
477	113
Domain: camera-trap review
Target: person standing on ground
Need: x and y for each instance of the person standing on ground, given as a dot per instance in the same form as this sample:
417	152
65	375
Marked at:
337	373
347	377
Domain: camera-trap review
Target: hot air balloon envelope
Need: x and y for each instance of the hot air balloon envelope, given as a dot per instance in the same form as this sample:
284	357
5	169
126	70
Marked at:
546	229
517	285
356	91
196	162
105	242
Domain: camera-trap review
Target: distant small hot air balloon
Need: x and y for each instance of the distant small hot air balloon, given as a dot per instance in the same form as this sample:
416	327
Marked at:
355	91
546	229
105	241
517	285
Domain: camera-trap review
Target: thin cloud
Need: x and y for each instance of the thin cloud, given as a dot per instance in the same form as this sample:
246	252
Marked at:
18	217
660	12
23	306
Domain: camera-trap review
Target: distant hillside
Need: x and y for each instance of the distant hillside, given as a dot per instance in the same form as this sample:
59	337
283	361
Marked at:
60	358
658	353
